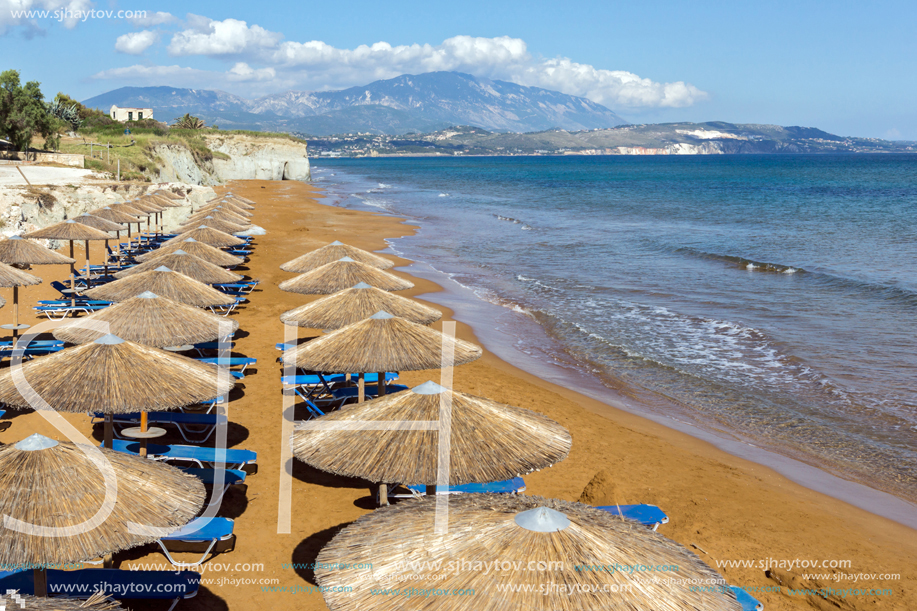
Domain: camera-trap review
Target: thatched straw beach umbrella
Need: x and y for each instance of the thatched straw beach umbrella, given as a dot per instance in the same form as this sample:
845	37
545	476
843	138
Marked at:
151	320
228	207
219	214
489	441
229	195
189	265
165	283
518	532
209	221
71	231
16	250
335	252
207	235
102	225
380	343
340	275
198	249
355	304
113	376
96	602
12	277
67	488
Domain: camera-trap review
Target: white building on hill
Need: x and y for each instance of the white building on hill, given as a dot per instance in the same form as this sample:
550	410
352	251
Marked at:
130	114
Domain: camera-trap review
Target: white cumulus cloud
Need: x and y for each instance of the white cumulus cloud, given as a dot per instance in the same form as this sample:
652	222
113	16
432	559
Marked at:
153	18
227	37
259	55
136	43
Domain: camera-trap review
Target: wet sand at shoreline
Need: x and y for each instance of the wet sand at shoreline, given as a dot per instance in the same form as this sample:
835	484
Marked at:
722	507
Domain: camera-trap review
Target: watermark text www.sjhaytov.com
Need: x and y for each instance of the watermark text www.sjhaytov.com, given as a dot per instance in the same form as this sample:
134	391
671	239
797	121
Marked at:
65	14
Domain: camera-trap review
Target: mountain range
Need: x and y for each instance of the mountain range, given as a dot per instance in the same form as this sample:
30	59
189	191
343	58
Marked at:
406	104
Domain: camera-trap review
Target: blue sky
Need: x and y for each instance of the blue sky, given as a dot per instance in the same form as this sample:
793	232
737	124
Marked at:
846	67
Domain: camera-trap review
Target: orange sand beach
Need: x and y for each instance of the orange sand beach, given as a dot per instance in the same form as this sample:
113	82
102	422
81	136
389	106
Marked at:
737	516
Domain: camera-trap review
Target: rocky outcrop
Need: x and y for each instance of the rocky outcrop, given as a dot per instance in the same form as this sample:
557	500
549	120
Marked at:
236	157
26	209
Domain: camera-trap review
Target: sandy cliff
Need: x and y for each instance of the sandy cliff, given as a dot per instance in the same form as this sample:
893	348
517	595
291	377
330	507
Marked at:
236	157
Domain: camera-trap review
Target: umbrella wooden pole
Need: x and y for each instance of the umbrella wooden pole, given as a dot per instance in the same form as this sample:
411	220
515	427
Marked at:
144	422
72	278
15	313
380	384
109	431
431	491
383	495
361	388
41	582
88	269
105	259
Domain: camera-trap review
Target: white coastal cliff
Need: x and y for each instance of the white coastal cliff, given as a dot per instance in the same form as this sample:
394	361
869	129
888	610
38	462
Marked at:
236	157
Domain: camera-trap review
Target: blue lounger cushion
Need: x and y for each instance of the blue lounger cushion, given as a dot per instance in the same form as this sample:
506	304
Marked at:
168	417
648	515
510	486
245	460
83	583
203	530
208	476
353	391
334	378
229	362
748	602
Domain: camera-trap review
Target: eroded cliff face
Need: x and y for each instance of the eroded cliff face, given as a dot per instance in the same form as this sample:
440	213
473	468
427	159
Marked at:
25	209
238	157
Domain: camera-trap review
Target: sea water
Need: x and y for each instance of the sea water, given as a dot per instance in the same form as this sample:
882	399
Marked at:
771	298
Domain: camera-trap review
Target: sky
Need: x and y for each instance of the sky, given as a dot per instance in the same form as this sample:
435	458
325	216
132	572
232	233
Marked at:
845	67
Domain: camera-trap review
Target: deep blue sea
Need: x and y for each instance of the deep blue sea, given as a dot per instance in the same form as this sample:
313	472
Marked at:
770	297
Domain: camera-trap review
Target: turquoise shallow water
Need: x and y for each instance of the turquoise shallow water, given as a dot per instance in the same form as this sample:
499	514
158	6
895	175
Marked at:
773	297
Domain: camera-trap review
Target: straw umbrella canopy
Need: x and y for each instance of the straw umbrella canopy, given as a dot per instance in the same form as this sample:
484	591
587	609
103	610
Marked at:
516	530
340	275
71	231
207	235
114	215
168	194
99	223
229	207
239	198
151	320
12	277
209	221
219	214
198	249
227	200
166	283
65	487
96	602
114	376
189	265
16	250
334	252
128	209
489	441
380	343
355	304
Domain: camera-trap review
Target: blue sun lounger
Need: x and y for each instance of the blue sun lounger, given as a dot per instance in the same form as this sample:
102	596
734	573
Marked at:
509	486
232	361
230	458
123	585
648	515
231	477
207	535
370	390
748	602
184	422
